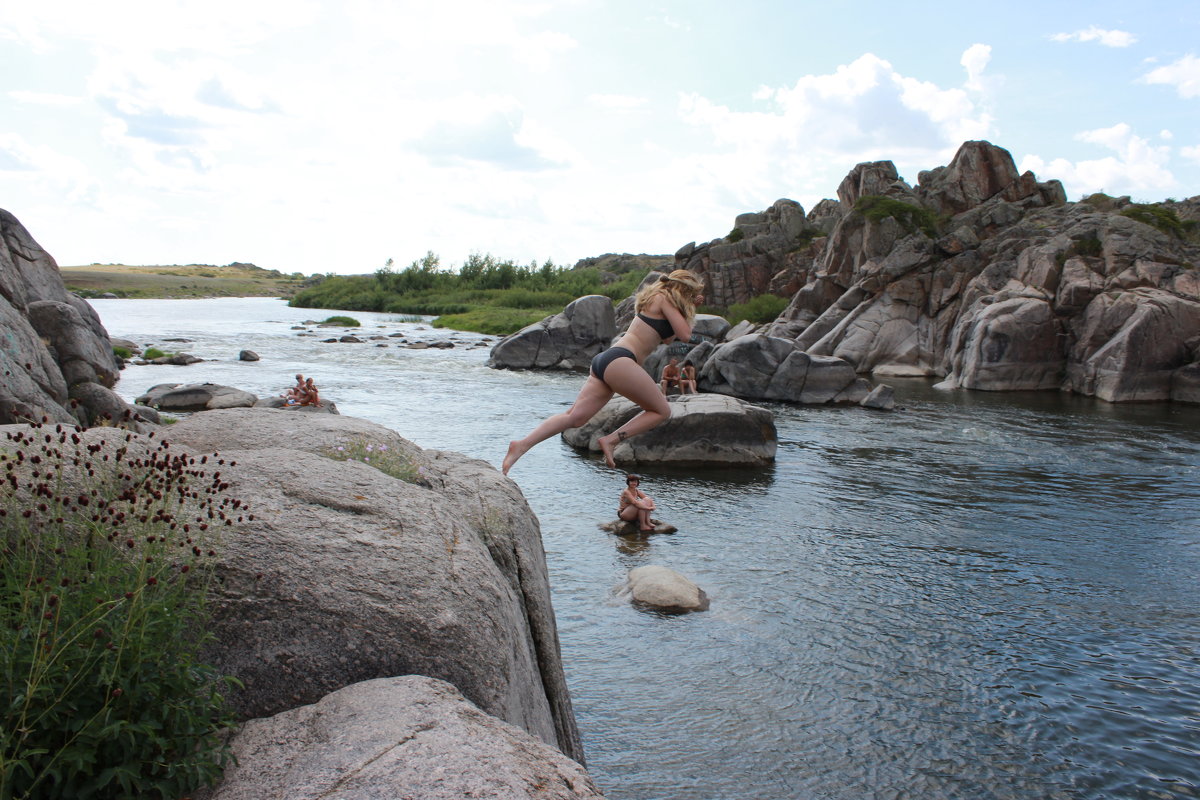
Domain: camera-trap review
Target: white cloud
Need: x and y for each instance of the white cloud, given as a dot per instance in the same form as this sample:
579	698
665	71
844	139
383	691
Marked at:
975	60
1191	153
1184	75
810	133
44	98
1094	34
1137	168
618	102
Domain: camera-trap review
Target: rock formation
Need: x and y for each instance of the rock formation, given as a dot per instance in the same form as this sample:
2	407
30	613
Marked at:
368	557
395	737
704	430
55	355
568	340
979	275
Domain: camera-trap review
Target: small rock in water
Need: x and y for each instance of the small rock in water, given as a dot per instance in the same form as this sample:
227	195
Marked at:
665	589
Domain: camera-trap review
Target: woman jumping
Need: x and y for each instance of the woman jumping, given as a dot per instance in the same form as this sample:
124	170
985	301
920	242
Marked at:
665	311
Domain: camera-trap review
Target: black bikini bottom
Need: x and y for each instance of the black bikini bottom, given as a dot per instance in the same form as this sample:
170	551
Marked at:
601	361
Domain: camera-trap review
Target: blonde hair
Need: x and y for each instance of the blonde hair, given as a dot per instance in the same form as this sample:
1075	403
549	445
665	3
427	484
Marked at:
681	288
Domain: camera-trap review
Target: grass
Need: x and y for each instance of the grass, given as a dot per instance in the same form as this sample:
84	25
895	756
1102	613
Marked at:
389	462
151	353
760	310
494	321
196	280
1159	216
344	321
912	217
485	295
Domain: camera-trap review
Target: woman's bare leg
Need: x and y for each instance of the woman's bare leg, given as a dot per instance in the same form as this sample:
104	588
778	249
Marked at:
644	520
629	513
592	397
627	378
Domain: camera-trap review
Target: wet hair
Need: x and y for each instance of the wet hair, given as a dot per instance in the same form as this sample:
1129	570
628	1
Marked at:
681	288
631	478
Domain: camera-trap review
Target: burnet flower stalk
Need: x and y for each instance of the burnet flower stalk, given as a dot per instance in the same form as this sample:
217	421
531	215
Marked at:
107	547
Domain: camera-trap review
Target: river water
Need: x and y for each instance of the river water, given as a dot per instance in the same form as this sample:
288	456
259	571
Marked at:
979	596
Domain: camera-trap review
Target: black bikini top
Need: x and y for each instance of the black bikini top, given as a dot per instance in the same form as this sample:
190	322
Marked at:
661	326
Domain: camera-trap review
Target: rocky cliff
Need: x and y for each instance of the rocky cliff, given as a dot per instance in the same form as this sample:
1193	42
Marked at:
979	275
56	357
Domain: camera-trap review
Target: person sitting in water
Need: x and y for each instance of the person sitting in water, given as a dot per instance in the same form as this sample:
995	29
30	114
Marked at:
687	379
665	310
670	376
636	504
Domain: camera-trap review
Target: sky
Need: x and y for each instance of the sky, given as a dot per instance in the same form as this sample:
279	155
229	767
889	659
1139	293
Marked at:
329	137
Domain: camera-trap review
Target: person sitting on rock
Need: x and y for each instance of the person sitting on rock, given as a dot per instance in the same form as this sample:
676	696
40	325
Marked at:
293	393
670	376
687	379
310	396
636	504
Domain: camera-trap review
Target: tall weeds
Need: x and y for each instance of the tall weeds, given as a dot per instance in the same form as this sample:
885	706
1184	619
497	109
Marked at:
106	554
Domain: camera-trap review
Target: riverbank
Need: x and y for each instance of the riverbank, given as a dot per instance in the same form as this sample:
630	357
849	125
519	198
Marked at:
179	281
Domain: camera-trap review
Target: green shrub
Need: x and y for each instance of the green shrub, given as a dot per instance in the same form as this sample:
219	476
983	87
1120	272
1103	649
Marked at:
344	321
104	568
760	310
1090	246
912	217
494	321
151	353
122	352
1156	216
389	462
735	235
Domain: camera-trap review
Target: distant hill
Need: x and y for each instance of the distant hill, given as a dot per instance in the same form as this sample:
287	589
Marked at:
175	280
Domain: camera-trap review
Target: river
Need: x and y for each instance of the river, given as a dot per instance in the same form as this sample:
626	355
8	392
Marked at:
978	596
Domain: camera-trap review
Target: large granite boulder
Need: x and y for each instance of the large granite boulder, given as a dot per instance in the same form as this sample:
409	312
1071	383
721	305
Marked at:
703	430
53	339
979	172
402	737
1132	345
195	397
769	368
568	340
368	557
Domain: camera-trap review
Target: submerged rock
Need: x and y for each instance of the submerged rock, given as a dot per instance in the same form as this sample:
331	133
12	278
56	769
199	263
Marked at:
665	589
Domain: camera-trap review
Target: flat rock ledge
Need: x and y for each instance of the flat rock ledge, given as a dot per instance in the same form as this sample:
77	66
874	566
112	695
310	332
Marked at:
402	737
664	589
704	430
623	528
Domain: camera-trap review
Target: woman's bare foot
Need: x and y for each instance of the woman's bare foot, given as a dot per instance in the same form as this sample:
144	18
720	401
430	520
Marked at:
606	448
515	451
